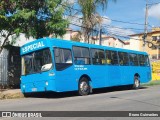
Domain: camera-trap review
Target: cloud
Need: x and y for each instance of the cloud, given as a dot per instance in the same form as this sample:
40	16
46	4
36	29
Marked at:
106	20
154	11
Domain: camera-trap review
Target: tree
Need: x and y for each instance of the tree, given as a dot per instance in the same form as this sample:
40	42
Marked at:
36	18
91	17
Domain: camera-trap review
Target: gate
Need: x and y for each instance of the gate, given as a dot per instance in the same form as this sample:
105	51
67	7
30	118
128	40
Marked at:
3	71
10	67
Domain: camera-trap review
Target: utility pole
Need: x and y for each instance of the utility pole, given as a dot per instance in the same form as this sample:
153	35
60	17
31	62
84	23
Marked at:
145	27
100	36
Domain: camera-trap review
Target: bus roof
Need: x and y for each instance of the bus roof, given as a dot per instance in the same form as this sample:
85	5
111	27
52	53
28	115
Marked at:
50	42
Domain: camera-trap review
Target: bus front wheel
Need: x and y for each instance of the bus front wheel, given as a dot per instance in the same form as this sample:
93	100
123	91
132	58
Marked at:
136	84
83	87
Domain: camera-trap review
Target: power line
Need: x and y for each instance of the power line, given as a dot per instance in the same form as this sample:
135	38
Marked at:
128	37
154	3
110	31
104	17
122	21
104	25
122	28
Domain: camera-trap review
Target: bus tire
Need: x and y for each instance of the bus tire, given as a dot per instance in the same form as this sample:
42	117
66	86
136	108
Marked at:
136	84
83	87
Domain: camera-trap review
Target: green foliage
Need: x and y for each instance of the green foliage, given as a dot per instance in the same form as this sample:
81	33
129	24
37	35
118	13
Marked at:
36	18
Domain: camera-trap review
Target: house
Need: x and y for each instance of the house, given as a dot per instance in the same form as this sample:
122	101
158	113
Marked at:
152	43
109	41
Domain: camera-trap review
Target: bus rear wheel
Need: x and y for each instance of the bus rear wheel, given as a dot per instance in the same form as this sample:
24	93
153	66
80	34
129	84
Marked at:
83	87
136	84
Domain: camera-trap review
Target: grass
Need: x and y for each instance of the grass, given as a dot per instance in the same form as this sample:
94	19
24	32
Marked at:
11	96
152	83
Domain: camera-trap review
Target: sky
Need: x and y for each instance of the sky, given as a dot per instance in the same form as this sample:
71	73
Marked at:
126	17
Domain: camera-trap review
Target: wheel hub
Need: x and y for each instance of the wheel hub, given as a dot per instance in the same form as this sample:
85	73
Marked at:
84	86
136	83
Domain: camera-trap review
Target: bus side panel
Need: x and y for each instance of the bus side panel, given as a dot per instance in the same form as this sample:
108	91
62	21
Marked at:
130	71
128	74
145	74
66	80
113	75
98	75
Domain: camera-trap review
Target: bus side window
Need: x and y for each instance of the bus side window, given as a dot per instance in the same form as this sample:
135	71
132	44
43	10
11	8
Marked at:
98	57
63	58
114	58
147	61
133	58
108	57
81	55
123	58
142	60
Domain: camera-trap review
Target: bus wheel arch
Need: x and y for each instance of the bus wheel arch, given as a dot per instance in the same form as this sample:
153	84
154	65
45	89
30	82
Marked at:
84	85
136	84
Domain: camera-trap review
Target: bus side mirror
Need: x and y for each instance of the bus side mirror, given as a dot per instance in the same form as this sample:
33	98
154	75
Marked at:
57	52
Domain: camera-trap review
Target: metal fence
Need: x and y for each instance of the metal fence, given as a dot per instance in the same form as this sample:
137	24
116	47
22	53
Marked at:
3	71
10	68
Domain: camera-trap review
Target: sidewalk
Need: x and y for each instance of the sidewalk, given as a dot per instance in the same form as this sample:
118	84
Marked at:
10	94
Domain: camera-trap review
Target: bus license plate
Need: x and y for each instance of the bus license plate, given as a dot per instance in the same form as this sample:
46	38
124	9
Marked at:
34	89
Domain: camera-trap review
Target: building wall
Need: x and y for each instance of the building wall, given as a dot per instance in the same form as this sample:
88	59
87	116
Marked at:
67	36
20	41
127	45
153	52
111	42
134	43
119	44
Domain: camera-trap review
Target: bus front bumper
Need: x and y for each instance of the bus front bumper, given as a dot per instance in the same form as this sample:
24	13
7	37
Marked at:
38	86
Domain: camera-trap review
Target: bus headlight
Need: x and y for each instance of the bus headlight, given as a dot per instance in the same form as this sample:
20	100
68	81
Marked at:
46	83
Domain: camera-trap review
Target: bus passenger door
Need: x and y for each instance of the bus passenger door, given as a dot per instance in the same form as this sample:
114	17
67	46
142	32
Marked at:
64	70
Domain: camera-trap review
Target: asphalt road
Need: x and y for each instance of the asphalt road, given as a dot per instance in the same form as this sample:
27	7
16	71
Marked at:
110	99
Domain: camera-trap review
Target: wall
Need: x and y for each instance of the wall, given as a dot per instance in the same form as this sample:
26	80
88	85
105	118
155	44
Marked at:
20	41
134	43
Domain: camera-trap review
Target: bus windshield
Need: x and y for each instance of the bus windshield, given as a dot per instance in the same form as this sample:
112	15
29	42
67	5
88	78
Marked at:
36	62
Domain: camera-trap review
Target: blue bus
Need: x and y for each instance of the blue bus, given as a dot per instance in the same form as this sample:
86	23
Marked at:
51	64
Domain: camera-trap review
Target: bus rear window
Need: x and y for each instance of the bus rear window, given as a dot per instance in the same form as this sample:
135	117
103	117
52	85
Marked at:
36	62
